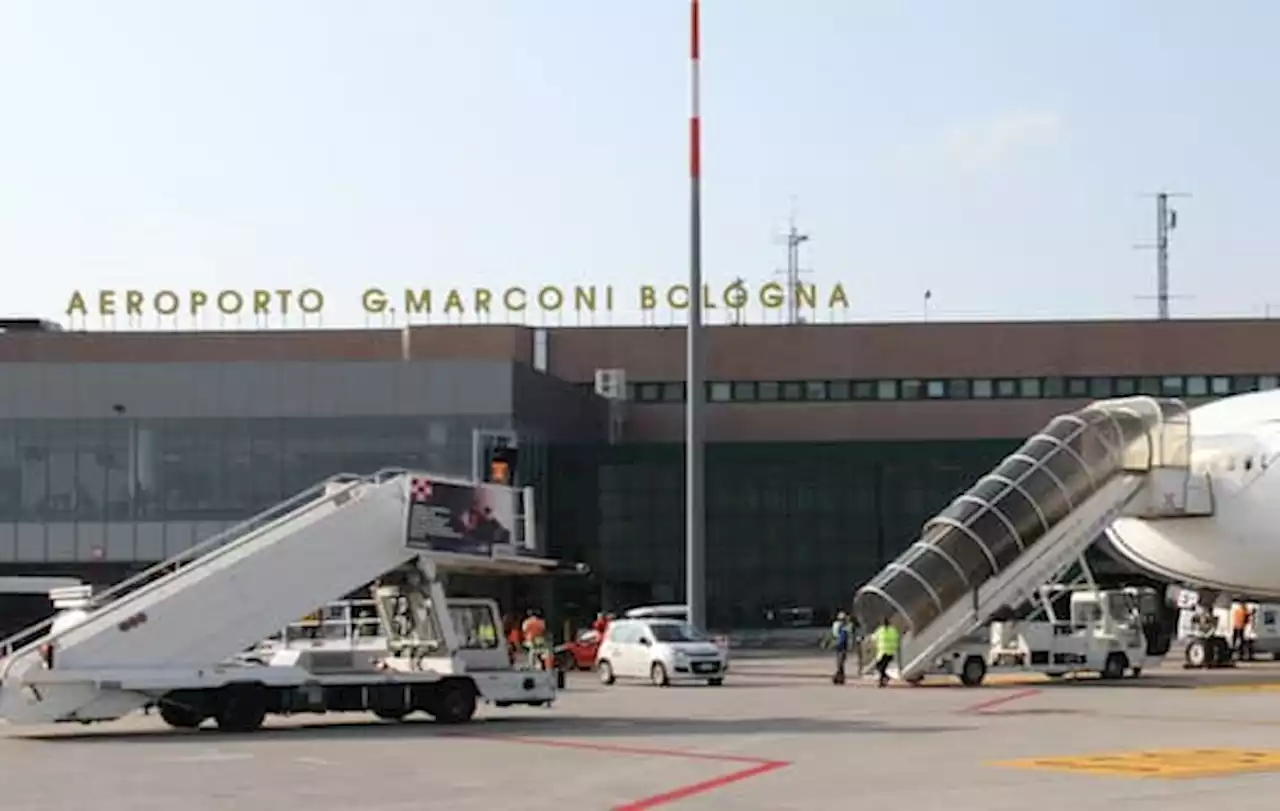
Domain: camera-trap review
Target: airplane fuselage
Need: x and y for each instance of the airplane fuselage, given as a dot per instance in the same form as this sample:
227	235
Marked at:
1236	550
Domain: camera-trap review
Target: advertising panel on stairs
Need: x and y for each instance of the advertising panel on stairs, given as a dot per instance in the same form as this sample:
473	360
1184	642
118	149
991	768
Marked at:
463	519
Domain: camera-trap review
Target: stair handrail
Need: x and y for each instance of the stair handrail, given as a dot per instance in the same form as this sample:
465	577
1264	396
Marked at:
13	644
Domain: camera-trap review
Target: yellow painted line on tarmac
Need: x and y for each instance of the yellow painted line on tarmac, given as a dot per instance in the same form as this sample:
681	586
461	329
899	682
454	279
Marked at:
1167	764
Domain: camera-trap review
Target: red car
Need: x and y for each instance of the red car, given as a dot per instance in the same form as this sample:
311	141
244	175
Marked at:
580	654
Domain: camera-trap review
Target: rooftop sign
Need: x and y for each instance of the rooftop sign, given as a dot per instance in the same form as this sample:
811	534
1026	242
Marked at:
462	302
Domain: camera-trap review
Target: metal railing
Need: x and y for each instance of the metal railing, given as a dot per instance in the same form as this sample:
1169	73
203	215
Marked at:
269	518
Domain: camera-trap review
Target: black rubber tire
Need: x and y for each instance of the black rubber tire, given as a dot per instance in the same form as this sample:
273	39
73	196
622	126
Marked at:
605	671
1115	666
455	703
241	708
393	714
973	671
658	675
716	682
1196	654
566	662
180	716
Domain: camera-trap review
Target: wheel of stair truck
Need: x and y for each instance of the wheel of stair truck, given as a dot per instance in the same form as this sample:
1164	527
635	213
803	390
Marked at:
973	671
455	702
241	707
393	714
1196	653
182	710
1115	666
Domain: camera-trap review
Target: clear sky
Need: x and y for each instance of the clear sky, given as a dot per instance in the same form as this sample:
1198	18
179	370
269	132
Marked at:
992	151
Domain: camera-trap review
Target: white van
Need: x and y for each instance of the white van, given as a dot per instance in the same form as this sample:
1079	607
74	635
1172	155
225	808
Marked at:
659	650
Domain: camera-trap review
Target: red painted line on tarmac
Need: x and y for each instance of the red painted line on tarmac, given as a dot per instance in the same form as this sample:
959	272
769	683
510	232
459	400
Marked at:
683	792
999	701
756	766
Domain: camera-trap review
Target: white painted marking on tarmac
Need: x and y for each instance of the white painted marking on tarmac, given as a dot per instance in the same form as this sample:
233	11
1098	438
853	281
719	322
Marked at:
312	761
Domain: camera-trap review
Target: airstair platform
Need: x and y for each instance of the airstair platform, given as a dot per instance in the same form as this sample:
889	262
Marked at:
995	545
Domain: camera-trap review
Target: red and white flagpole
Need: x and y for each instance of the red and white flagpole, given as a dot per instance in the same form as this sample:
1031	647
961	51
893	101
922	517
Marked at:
695	512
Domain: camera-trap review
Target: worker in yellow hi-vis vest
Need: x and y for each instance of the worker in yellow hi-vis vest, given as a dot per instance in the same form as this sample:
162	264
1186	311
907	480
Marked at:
887	639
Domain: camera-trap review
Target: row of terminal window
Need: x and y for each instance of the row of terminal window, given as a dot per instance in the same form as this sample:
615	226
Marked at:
959	388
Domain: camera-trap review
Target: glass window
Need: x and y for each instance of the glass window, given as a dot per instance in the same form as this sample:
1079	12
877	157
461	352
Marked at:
982	389
1055	387
1171	386
1126	386
1244	383
10	472
815	390
958	389
60	449
1197	386
767	390
792	390
1007	387
1029	388
719	392
1220	386
744	391
911	389
865	390
1268	382
649	392
673	392
631	391
1149	386
935	389
887	390
839	389
1077	387
93	459
1100	387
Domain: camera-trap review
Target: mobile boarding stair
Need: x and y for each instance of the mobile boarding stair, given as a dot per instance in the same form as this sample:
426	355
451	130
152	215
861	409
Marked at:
206	605
1023	523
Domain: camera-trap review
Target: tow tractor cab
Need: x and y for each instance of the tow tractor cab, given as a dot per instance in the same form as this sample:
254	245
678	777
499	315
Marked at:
187	636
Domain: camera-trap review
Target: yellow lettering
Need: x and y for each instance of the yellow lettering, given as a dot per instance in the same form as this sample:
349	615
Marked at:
678	296
483	297
584	298
453	301
772	295
515	299
106	302
648	297
77	305
230	302
608	298
708	301
166	302
284	296
311	301
736	296
838	297
417	303
806	295
261	302
373	301
550	298
196	300
133	302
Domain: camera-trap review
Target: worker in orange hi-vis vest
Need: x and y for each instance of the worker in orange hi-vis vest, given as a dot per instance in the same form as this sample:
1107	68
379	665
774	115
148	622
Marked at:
534	631
1239	622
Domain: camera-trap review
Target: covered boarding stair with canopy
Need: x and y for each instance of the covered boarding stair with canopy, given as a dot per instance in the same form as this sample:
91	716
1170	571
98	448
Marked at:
1027	519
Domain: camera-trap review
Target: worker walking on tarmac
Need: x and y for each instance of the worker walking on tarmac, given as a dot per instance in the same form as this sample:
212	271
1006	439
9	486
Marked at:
841	639
1239	622
887	639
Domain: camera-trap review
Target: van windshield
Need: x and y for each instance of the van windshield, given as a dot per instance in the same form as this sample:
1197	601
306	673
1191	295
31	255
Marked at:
676	632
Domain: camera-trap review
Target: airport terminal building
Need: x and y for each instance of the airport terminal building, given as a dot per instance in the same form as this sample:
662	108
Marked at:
830	444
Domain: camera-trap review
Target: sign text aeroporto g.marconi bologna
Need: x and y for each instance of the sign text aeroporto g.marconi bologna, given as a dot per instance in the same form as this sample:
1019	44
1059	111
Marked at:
445	301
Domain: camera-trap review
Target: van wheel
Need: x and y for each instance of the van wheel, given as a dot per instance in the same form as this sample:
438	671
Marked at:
658	675
605	671
715	682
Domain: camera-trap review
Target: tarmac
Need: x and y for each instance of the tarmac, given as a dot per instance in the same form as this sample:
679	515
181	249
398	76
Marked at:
778	735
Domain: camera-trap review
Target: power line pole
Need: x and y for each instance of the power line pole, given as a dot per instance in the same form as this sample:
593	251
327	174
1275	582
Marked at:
1166	221
793	270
